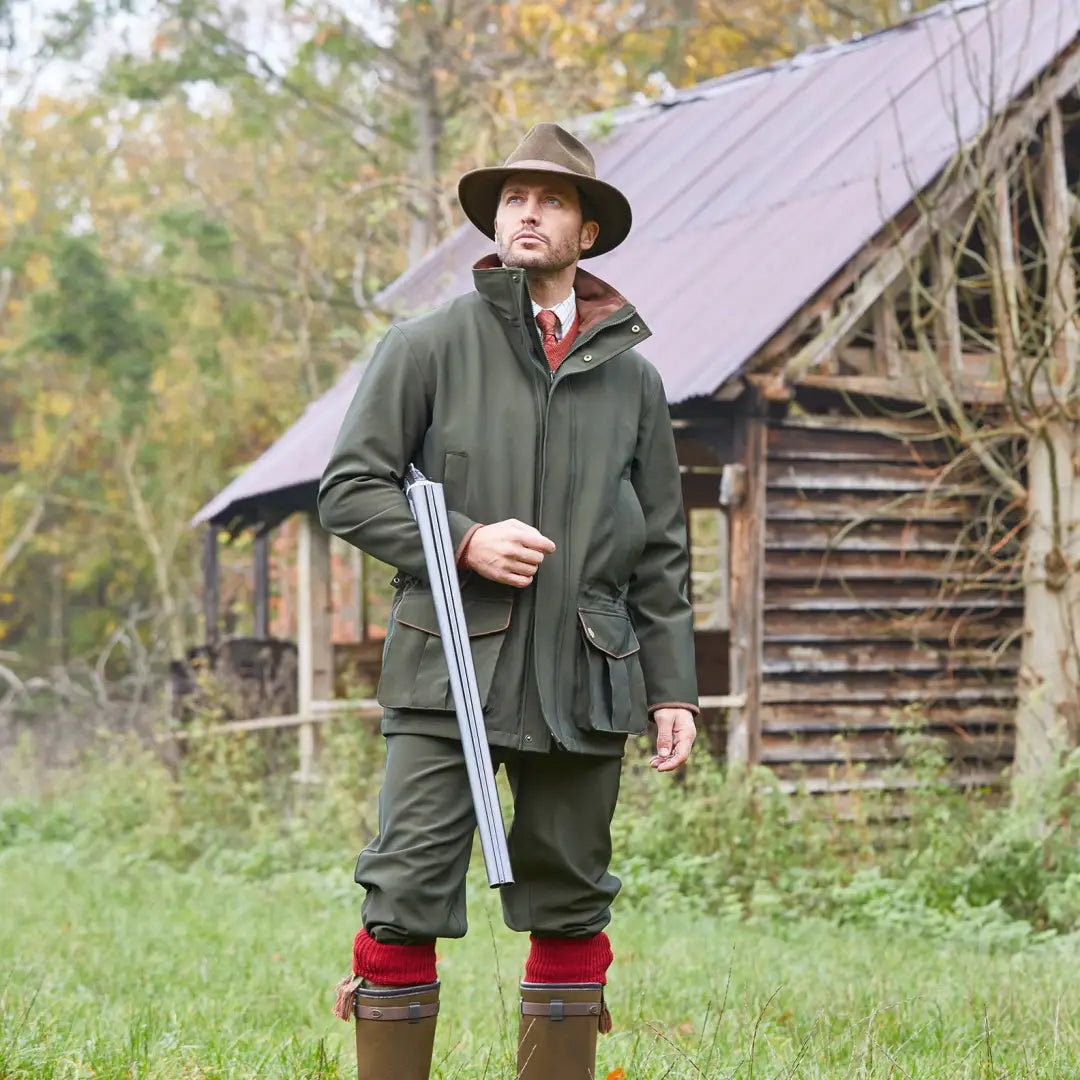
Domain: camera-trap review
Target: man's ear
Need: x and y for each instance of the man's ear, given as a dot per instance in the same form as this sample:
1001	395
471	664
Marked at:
589	232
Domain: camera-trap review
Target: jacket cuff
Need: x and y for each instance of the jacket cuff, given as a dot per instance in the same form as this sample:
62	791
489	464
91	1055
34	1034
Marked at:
460	524
463	548
675	705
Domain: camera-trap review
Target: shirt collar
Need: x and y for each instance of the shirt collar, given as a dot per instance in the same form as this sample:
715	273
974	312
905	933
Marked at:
564	312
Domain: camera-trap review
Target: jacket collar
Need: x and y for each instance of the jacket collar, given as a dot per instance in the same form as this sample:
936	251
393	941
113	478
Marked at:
507	290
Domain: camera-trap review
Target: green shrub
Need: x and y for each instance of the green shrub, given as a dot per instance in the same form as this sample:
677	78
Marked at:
728	843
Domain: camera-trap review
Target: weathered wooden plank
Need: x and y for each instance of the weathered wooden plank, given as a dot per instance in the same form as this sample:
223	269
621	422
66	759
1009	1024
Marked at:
785	505
747	551
846	565
840	658
887	343
974	366
864	476
810	717
211	585
864	535
1000	246
799	443
948	332
898	427
961	687
869	595
892	780
917	390
919	625
315	651
261	590
882	747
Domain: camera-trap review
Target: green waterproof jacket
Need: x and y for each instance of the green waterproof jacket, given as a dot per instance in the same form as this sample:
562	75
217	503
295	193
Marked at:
587	456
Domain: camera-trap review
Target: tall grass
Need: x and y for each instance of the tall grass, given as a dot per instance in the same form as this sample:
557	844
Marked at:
185	916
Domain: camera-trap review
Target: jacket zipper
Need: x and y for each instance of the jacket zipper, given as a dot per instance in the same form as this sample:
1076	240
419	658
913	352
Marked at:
533	686
566	599
544	413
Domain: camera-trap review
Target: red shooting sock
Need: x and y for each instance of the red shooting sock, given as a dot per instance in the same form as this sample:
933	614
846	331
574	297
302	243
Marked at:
393	965
568	960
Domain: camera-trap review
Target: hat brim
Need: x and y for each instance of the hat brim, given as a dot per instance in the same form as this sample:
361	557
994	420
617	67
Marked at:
479	191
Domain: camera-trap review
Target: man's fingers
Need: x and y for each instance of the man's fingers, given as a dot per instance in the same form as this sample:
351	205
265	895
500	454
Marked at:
525	569
674	760
535	540
663	734
527	555
675	734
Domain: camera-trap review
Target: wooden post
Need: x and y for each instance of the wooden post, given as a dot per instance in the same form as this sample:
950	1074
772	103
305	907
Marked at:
315	651
57	622
211	586
747	548
1001	246
1046	713
950	342
262	586
887	357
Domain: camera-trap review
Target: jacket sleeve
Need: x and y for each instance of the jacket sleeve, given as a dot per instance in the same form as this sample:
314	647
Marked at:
658	599
361	497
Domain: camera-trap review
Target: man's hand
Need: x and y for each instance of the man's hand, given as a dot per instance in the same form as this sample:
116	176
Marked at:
675	735
509	552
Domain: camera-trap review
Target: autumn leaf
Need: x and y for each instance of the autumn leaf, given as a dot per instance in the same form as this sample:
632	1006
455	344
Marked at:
616	1074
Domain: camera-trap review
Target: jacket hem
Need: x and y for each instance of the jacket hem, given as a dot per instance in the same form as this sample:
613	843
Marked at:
444	725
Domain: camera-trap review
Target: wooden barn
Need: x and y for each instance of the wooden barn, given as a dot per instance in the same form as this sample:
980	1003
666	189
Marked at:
859	269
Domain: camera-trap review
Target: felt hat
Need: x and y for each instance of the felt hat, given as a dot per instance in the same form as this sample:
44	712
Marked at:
549	148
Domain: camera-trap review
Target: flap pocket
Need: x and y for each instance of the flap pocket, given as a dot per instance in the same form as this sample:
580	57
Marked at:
611	632
482	616
414	673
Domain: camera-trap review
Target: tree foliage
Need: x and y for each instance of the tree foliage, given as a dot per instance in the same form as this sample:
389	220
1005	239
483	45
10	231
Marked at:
190	245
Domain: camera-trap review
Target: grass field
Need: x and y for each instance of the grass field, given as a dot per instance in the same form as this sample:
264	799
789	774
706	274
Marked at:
114	967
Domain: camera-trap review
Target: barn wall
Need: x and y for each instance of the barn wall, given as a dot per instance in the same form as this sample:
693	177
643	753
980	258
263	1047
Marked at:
875	627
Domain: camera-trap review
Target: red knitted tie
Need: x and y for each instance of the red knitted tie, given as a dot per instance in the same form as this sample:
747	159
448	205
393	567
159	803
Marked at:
547	321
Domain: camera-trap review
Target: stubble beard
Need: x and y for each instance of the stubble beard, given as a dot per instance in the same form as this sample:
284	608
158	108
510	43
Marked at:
549	260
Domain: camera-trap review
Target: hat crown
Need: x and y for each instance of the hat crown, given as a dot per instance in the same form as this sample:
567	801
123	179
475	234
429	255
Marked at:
555	145
549	148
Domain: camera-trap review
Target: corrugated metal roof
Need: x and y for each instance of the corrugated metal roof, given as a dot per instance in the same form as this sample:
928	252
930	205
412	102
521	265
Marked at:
752	191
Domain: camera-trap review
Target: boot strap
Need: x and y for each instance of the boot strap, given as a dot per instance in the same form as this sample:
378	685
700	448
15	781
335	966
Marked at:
414	1012
559	1010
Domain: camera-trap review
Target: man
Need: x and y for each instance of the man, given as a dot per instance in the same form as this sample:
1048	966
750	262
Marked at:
528	400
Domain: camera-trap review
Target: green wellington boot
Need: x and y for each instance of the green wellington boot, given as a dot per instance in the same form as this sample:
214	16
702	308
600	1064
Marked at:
395	1031
558	1028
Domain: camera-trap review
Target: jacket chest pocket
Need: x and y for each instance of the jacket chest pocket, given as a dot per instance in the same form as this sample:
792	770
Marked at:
414	672
610	686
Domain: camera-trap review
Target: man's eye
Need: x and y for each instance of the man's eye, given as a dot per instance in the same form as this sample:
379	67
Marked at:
552	201
513	198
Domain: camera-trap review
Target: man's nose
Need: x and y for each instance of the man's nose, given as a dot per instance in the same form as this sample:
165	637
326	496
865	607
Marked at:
530	212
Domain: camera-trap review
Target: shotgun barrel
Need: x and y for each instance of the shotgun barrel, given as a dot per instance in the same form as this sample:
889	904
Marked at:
428	505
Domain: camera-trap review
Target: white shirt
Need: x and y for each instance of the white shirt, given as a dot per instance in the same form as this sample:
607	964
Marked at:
564	312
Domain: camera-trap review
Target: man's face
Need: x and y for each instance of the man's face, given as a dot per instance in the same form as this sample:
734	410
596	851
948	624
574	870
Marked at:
538	224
